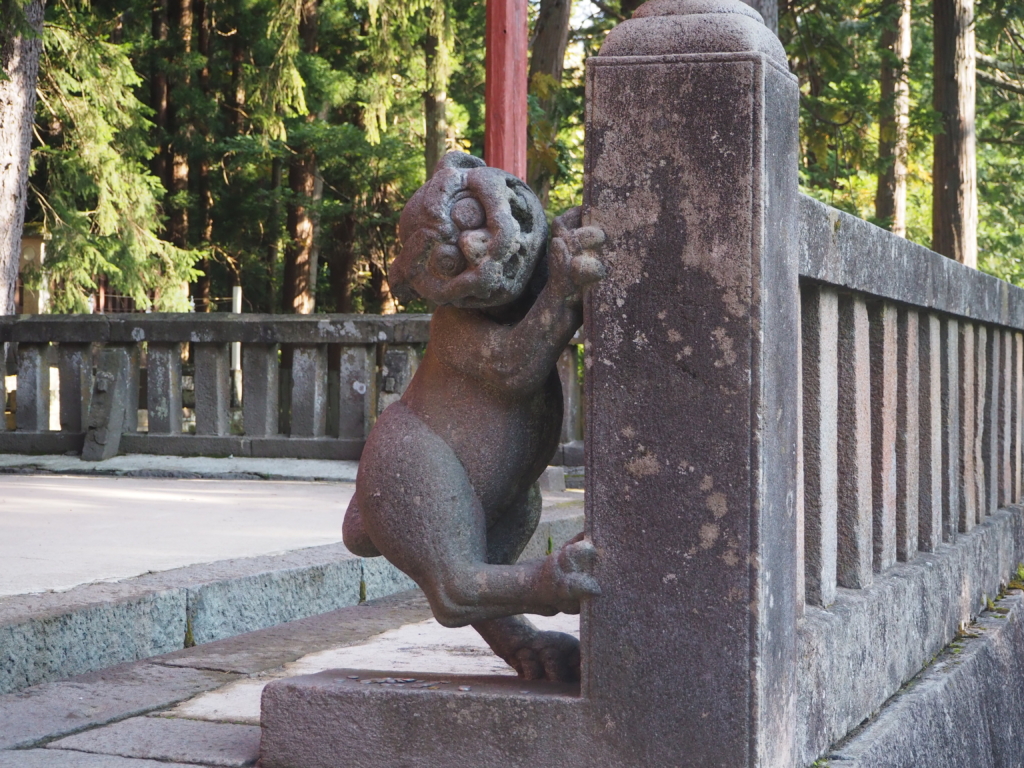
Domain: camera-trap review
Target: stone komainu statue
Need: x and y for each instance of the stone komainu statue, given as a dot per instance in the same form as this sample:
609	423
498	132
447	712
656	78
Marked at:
447	486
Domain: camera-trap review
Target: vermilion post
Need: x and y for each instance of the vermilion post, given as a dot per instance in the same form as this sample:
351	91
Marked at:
505	92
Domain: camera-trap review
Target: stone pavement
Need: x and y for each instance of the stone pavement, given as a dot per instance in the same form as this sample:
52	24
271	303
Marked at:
200	706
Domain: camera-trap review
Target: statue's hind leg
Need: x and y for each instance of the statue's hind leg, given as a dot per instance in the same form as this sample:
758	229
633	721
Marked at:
419	509
535	655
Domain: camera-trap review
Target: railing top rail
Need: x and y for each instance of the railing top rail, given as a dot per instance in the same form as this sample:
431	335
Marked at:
217	328
842	250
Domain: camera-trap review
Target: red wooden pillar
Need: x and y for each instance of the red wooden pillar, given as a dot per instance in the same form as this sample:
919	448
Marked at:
505	93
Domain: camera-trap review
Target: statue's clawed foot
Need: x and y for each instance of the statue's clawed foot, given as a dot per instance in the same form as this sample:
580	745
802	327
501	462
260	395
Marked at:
535	655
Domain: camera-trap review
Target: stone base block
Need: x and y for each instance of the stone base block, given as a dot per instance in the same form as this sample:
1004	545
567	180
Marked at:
967	709
336	718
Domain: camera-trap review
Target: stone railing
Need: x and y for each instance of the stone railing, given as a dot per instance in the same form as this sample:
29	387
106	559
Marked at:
303	386
913	396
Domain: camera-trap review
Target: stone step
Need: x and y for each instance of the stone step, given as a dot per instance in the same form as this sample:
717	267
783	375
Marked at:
55	635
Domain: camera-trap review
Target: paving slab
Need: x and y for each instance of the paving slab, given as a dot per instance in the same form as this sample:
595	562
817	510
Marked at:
188	741
49	711
273	647
60	758
423	647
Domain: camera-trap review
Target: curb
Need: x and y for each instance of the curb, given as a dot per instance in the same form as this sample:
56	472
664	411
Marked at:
55	635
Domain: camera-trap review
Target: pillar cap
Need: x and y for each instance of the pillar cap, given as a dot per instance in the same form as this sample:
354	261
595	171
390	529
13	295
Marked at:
661	27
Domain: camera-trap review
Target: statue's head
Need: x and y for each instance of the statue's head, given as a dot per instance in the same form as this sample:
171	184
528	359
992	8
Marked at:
471	236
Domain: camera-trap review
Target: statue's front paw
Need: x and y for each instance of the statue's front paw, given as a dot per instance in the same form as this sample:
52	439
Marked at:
569	575
573	254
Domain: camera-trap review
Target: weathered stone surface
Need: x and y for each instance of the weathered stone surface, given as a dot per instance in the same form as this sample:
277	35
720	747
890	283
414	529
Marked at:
965	710
163	386
33	411
189	741
51	710
308	417
820	318
382	578
218	327
498	721
258	592
855	526
870	642
60	758
212	387
842	250
109	406
53	635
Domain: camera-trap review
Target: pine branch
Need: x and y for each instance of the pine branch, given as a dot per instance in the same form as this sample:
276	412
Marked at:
1001	80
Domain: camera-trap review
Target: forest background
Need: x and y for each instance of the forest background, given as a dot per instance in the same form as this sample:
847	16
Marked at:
271	144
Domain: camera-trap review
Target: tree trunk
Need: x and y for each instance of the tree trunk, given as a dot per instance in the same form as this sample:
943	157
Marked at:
894	119
341	258
550	38
158	93
177	219
274	228
435	48
201	171
299	276
954	172
306	184
19	59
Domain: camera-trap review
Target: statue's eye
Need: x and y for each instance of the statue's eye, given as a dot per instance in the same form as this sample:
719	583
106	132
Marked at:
447	261
467	213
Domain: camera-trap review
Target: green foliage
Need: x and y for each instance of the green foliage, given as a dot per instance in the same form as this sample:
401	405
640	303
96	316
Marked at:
97	198
260	96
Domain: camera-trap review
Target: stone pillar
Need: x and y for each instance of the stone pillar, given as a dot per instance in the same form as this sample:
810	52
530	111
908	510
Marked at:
691	170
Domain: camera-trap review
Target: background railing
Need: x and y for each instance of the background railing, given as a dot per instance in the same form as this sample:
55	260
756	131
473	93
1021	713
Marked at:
308	386
913	408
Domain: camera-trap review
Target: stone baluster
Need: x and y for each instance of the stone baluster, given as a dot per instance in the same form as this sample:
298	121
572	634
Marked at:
33	398
398	364
990	420
212	387
1006	421
308	391
75	366
353	396
968	512
981	351
572	406
908	442
952	491
820	333
260	389
854	445
930	432
884	381
163	388
1017	422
